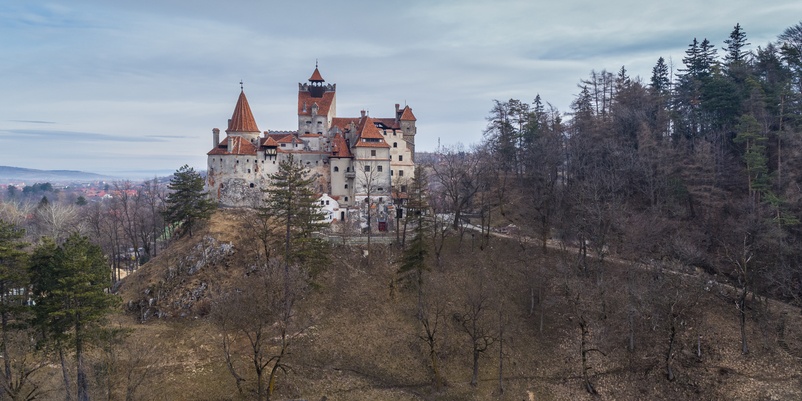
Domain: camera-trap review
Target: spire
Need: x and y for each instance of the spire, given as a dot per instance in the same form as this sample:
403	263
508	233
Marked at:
316	77
242	120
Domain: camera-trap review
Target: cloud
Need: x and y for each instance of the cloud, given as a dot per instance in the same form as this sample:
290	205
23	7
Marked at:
31	121
72	136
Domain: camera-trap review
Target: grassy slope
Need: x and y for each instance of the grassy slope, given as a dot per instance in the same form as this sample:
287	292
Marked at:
364	344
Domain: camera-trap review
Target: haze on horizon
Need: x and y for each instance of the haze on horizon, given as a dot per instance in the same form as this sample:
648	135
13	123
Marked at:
119	87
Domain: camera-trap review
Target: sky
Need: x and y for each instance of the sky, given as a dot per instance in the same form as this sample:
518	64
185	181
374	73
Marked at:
134	88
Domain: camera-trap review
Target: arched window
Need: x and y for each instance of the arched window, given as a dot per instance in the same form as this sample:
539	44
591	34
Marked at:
336	169
395	144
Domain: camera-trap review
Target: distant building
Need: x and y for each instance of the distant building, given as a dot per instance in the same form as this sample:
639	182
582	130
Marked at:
352	158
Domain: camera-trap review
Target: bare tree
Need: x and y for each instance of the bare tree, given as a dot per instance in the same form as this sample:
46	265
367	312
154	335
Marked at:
258	323
456	173
472	320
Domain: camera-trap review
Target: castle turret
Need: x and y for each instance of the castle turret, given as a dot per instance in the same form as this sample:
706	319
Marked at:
242	122
317	105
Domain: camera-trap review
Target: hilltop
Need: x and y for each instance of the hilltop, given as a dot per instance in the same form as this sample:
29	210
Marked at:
363	338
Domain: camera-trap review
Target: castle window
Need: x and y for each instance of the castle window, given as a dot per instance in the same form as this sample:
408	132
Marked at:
391	173
403	188
346	199
327	203
252	185
336	169
249	171
380	189
379	168
322	202
400	158
400	173
284	145
346	186
367	169
395	144
373	153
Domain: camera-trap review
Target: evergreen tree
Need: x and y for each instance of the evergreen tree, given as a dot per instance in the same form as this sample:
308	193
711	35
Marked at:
187	203
69	284
735	47
413	260
13	283
660	82
292	205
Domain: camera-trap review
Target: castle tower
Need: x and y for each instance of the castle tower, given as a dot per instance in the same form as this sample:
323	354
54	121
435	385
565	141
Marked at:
242	122
408	130
317	105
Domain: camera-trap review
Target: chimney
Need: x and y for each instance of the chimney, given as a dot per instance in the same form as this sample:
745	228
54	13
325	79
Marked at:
215	137
362	112
397	112
230	144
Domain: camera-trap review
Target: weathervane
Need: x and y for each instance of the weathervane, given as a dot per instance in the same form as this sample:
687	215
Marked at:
242	88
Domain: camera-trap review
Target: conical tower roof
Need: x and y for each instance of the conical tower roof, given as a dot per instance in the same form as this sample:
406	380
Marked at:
242	120
316	77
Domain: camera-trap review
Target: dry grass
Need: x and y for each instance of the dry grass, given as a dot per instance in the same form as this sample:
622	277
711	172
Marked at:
364	340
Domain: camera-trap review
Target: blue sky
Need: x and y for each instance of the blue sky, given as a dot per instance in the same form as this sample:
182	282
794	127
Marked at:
108	87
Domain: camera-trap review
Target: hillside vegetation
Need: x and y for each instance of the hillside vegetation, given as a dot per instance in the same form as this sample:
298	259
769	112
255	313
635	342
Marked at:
363	338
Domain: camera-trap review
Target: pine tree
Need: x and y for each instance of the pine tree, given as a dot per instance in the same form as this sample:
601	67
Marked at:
660	82
735	47
13	282
413	259
69	285
187	203
292	205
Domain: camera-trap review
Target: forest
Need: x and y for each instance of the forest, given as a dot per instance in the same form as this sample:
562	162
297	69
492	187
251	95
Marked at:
643	244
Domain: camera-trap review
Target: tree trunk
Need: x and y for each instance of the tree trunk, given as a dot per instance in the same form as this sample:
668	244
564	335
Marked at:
65	373
475	376
83	383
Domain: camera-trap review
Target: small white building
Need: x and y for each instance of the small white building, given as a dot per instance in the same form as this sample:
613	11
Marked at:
330	209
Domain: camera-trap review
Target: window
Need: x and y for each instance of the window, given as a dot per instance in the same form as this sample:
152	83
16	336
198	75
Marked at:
391	173
400	158
251	185
379	168
367	169
327	203
403	188
395	144
373	153
322	202
400	173
336	169
284	145
346	199
249	171
346	186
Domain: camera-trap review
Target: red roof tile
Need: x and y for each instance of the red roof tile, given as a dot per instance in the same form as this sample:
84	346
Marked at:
240	146
242	120
269	142
407	114
316	77
368	135
323	103
339	147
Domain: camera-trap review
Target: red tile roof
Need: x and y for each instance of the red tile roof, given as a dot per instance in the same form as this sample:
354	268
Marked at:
367	131
407	114
339	147
323	103
240	146
343	123
242	120
316	77
269	142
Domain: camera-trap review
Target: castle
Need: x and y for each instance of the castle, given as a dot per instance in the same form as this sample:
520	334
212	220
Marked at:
354	159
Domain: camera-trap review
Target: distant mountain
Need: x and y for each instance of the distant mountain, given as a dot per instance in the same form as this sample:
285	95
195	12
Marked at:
14	174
